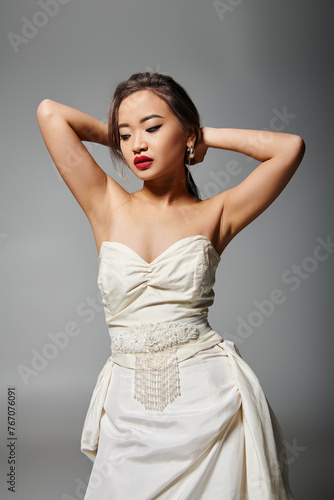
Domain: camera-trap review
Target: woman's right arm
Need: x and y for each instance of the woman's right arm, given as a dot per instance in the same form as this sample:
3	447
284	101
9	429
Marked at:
63	128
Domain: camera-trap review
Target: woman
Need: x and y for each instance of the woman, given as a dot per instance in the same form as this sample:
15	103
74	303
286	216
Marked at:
176	413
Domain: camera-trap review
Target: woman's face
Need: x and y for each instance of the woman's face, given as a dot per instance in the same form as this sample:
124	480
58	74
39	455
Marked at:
148	127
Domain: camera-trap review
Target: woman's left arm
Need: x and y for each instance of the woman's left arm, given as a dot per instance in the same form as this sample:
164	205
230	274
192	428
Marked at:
280	155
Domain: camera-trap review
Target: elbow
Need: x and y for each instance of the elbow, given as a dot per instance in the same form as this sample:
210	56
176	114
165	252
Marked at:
299	144
44	108
297	148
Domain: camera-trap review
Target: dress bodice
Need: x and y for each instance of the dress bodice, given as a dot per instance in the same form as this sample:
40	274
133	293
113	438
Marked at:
176	286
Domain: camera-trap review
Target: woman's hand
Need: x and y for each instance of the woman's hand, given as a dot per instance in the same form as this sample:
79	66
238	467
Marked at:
200	149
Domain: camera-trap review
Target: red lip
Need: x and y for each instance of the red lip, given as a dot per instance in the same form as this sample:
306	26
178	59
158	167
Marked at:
139	159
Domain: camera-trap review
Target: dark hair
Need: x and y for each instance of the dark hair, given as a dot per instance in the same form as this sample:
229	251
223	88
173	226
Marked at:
174	96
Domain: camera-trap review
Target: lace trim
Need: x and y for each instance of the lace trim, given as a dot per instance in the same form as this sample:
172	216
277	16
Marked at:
157	378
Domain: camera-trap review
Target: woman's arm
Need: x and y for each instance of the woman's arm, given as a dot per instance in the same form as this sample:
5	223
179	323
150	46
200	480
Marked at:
280	155
63	128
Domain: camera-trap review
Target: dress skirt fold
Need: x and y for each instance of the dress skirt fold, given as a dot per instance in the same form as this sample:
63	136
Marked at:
215	441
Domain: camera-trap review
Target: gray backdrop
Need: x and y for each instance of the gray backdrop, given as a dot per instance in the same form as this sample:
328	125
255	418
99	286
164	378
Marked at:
258	64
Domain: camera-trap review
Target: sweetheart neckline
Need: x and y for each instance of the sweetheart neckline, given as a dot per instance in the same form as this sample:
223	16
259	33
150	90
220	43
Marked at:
198	236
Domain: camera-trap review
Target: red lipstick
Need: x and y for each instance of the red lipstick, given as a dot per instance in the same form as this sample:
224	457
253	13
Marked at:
142	161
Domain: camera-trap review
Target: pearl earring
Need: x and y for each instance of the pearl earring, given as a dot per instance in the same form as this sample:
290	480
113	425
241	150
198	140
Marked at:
190	154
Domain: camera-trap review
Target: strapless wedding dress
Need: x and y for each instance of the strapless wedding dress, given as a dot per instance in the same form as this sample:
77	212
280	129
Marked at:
176	413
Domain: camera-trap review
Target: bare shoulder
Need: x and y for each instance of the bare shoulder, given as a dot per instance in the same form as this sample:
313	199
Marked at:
213	215
113	198
116	193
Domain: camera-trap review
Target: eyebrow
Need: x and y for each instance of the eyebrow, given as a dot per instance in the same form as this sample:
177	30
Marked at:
142	120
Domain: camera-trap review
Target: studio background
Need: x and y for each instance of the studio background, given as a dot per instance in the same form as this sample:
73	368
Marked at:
258	64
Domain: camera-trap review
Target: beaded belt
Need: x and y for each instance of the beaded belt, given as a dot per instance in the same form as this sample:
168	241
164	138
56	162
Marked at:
157	378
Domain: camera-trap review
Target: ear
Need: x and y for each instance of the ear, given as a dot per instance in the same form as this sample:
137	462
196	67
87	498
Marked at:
191	137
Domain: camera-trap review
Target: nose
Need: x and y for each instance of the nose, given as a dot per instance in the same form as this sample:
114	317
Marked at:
139	144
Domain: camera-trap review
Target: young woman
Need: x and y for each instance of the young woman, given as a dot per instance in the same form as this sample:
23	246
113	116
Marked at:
176	413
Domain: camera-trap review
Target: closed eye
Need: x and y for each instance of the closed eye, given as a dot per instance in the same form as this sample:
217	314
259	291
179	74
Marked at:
153	129
150	130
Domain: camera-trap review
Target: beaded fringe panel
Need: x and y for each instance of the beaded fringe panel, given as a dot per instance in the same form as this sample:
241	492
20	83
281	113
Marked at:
157	378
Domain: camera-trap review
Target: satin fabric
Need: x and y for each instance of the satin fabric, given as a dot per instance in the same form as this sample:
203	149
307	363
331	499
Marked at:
220	438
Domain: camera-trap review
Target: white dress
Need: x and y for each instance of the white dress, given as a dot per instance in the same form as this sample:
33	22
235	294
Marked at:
214	435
